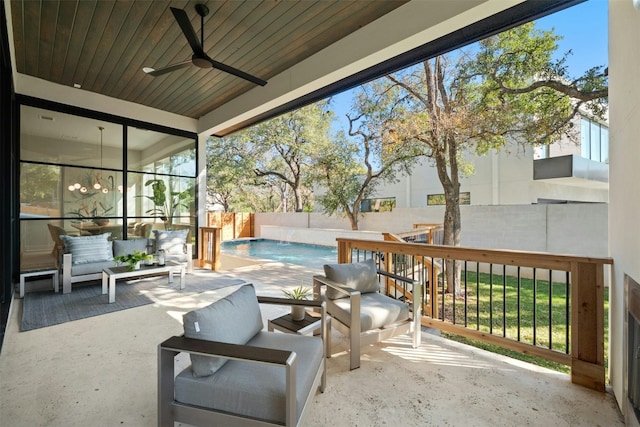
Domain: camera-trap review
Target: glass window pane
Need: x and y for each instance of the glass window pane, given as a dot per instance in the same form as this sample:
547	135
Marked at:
595	142
150	151
89	193
585	145
604	145
54	137
39	190
174	205
36	245
66	192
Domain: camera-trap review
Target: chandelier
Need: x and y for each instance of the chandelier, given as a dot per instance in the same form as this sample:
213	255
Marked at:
98	185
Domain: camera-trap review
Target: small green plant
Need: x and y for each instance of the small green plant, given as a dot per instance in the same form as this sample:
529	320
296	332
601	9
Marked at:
301	292
132	259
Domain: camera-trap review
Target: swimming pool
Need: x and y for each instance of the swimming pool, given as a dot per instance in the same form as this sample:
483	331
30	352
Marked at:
313	256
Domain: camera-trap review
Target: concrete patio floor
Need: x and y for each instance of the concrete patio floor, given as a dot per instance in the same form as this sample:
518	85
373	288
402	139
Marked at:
101	371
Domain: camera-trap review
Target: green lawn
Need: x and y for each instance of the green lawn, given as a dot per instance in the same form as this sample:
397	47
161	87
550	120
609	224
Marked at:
485	291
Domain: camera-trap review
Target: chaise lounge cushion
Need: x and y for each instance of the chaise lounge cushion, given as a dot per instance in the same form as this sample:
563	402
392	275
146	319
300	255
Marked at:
361	276
88	249
239	313
239	382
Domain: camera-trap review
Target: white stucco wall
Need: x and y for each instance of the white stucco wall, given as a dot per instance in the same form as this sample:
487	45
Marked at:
579	229
502	178
624	176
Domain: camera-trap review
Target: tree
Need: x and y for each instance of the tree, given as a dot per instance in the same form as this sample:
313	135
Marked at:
506	88
228	172
353	167
268	167
285	147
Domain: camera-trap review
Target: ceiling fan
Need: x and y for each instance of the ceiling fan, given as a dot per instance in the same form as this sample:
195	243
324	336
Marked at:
199	58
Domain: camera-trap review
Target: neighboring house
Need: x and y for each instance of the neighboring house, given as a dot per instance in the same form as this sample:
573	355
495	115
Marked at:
564	172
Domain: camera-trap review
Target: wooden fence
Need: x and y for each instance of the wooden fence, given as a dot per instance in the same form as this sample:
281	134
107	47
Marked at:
232	225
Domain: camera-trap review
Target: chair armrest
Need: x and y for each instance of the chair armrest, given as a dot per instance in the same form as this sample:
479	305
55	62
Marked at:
416	290
289	301
399	278
227	350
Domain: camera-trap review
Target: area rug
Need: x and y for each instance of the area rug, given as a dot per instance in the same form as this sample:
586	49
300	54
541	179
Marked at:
46	308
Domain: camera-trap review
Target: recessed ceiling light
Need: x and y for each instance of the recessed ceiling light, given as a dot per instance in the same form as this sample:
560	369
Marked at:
77	85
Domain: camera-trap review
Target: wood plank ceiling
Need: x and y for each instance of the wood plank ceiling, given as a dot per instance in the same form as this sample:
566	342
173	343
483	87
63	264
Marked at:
103	45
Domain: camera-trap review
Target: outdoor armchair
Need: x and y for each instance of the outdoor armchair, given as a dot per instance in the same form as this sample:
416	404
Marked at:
361	312
240	375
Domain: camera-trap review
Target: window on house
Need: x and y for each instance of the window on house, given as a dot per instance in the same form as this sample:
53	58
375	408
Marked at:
594	141
382	204
438	199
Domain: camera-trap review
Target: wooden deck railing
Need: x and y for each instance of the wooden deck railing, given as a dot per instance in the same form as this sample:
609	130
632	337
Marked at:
554	292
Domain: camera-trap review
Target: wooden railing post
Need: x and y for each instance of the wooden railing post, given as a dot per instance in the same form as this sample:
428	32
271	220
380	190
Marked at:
344	252
209	253
587	325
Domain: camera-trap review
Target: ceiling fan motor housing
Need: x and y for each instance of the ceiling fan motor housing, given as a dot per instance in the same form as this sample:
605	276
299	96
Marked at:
201	62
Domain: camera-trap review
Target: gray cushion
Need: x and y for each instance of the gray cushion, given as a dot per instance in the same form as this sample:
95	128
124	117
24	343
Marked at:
239	382
361	276
171	241
87	249
181	258
124	247
91	267
377	310
234	319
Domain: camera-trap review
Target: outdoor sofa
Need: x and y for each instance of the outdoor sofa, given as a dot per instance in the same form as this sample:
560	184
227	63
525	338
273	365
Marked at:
84	257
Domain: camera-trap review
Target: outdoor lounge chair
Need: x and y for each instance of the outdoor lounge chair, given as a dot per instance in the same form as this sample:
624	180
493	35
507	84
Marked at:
361	312
239	375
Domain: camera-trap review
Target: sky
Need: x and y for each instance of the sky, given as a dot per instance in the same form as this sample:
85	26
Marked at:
584	29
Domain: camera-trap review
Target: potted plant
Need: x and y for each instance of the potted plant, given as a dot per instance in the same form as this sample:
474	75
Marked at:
165	205
133	260
299	293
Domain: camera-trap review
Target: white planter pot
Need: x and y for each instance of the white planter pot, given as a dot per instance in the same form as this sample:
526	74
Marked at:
297	312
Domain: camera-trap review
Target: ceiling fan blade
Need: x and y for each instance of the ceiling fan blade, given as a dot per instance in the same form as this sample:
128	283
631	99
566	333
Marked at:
169	68
187	29
227	69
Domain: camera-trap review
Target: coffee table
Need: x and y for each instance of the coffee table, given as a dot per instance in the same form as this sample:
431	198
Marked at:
111	274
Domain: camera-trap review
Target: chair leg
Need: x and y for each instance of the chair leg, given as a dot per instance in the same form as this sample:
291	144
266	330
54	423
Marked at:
66	274
354	348
354	332
166	384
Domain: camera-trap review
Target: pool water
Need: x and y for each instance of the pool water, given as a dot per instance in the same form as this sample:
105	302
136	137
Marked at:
307	255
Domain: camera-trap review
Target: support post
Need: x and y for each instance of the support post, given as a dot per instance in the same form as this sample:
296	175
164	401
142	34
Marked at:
587	325
209	253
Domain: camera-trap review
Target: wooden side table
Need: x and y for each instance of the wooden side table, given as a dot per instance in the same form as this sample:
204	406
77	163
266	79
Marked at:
310	325
36	273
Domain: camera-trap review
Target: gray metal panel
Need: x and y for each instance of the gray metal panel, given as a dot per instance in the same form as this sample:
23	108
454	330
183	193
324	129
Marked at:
570	166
